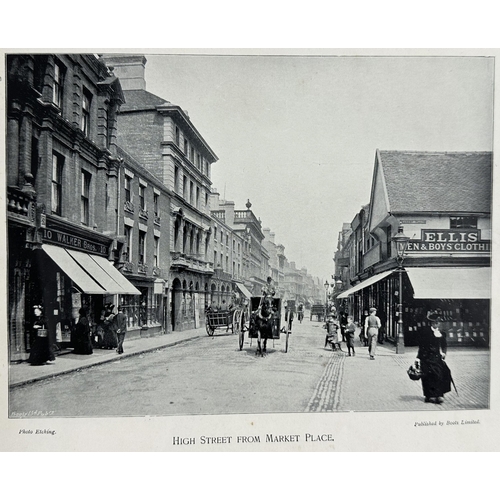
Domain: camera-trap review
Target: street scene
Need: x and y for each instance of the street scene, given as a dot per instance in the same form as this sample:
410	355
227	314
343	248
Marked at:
212	235
308	378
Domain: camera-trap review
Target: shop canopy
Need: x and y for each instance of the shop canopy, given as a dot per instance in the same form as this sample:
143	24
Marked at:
91	274
364	284
244	290
450	283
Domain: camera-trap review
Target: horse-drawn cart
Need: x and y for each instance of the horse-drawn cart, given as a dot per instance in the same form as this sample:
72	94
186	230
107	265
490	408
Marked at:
224	319
265	323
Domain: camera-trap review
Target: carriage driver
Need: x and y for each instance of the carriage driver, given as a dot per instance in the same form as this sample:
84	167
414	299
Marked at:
268	292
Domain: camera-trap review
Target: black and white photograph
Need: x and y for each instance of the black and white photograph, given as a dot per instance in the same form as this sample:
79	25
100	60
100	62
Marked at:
248	249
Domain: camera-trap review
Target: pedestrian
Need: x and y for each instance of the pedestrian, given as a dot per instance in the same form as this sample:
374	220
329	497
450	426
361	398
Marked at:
372	326
41	352
436	376
109	340
121	328
350	330
81	342
362	336
343	324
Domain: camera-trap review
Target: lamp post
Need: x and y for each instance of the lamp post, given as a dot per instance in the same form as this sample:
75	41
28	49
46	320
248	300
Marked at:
401	244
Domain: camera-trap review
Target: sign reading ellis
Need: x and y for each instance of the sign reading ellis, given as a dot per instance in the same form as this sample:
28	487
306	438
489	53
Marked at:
75	242
450	240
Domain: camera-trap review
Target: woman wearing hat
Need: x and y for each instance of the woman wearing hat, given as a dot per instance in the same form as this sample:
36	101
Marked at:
82	344
40	352
436	376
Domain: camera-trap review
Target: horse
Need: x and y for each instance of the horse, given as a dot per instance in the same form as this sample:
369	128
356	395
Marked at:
262	321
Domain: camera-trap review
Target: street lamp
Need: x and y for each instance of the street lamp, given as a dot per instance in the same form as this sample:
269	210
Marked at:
401	244
327	286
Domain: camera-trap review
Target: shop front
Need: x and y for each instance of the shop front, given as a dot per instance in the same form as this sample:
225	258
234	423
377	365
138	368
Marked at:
461	294
71	271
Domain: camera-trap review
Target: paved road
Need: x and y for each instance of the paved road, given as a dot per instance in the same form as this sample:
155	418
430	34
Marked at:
211	375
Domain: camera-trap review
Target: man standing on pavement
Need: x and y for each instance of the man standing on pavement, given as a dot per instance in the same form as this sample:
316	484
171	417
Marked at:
372	327
121	328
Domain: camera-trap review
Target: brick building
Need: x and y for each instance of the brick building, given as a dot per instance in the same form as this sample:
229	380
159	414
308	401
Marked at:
62	177
162	138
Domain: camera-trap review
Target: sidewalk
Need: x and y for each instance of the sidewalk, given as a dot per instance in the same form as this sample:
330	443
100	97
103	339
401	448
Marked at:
360	384
24	373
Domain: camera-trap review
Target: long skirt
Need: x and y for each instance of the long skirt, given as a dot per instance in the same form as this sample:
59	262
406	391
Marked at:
109	340
436	377
40	351
82	344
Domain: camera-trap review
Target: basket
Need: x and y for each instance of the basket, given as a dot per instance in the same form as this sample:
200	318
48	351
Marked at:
414	373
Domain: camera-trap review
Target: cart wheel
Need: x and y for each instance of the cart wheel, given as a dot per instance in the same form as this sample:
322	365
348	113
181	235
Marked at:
236	322
287	333
210	330
241	338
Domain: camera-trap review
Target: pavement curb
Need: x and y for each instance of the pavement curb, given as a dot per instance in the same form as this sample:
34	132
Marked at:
48	376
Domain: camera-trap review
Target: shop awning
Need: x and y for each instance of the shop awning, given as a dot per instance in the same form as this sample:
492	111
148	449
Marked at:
103	271
68	265
92	274
450	283
364	284
244	290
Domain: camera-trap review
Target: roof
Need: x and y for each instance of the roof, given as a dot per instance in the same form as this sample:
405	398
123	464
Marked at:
140	100
419	181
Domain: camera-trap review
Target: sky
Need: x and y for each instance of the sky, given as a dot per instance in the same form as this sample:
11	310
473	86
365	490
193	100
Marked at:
297	135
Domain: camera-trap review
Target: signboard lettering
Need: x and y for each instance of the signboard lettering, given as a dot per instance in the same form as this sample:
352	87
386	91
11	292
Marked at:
71	241
450	240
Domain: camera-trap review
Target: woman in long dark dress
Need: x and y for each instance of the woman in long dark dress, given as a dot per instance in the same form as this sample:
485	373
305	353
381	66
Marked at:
110	340
82	343
41	351
436	376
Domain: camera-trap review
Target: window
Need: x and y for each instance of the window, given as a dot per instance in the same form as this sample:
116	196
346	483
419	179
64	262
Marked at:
155	204
87	99
86	177
176	179
186	147
57	89
191	190
206	201
198	161
142	200
463	222
128	192
191	154
184	187
215	232
127	250
142	247
197	197
156	251
57	168
177	136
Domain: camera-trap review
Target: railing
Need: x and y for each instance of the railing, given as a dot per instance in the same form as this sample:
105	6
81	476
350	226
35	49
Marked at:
220	214
20	204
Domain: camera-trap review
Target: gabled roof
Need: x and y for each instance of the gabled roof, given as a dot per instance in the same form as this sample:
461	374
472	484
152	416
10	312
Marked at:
420	181
140	100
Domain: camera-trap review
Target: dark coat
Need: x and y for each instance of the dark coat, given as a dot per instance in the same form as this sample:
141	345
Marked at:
82	343
436	376
41	350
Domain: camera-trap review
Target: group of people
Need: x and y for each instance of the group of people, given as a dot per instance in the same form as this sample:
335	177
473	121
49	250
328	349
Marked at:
113	327
432	347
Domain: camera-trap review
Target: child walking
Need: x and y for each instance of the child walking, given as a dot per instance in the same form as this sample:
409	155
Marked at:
350	330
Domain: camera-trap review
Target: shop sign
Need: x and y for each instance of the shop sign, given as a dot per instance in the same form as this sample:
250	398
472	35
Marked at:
71	241
450	240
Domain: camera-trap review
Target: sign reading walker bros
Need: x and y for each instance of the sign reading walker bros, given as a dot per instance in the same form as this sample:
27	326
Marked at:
450	240
71	241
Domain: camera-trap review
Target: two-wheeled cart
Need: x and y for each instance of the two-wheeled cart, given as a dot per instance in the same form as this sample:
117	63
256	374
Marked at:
223	319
